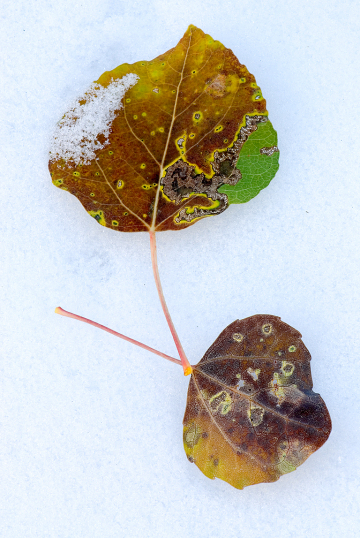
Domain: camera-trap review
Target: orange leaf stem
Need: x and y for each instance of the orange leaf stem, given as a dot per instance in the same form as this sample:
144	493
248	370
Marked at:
62	312
184	361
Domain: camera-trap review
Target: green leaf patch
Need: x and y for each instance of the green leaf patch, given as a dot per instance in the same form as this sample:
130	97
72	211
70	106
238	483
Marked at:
256	165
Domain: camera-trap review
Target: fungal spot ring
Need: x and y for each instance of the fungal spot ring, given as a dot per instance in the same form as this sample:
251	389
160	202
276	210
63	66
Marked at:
143	165
256	414
161	129
292	349
287	368
238	337
98	216
267	329
115	223
192	435
120	184
221	402
257	95
135	117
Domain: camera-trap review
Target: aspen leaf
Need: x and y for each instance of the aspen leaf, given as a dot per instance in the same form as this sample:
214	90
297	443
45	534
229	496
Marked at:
157	145
251	414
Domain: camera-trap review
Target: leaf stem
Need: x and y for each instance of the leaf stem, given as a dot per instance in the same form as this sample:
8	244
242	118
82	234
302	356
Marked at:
184	361
62	312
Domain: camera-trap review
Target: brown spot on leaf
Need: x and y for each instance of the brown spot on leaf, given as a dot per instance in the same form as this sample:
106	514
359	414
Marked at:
217	87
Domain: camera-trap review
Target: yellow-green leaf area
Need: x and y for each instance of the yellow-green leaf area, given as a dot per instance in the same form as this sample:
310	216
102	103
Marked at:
258	163
98	216
166	145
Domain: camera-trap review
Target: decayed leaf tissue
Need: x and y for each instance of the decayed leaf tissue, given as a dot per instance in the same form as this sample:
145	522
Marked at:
251	413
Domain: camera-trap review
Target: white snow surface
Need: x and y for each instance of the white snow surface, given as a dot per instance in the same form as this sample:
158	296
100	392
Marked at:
76	135
90	425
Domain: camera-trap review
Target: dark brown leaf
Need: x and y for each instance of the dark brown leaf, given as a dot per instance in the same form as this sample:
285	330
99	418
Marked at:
251	414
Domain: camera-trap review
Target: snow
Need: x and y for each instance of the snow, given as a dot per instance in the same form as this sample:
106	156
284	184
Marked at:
91	426
76	135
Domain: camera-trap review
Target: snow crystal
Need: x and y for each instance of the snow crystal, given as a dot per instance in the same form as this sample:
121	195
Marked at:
76	135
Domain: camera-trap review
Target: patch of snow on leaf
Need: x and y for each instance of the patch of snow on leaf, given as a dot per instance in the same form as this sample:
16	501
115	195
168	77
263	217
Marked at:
76	134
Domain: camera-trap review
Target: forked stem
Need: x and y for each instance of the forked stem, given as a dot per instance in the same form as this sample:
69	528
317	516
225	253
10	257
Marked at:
62	312
184	361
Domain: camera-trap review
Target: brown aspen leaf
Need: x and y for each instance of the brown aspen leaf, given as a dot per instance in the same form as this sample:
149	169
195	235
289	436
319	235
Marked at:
251	414
149	145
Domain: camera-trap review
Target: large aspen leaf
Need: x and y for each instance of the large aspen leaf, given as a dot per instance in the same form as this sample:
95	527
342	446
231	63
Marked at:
150	144
251	414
